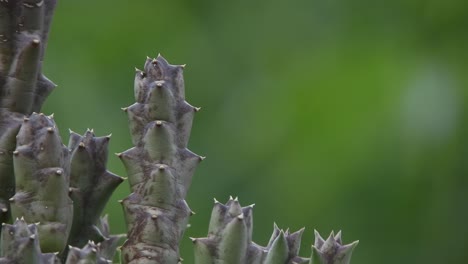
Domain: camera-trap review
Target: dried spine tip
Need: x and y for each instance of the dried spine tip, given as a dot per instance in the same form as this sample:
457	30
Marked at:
58	172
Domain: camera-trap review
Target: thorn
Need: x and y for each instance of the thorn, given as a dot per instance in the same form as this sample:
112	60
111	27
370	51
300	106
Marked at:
181	259
4	210
148	58
69	247
118	154
137	70
192	213
215	201
58	172
161	167
16	153
196	109
50	129
194	240
51	116
37	223
120	201
3	224
159	55
93	250
252	205
81	145
56	253
12	200
109	136
25	119
32	237
230	198
41	114
124	109
154	62
22	218
236	199
36	42
70	131
70	190
183	66
202	158
159	84
154	216
240	217
158	123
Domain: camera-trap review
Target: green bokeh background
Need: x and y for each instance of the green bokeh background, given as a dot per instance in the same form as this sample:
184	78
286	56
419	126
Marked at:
331	115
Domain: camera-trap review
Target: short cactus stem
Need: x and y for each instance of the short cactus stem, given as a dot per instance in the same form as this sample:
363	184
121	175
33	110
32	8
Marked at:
229	240
20	244
331	250
159	166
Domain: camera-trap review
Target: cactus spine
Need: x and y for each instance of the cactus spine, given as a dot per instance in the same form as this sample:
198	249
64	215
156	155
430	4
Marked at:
159	166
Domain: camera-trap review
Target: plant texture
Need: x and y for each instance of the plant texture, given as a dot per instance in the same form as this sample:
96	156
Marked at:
57	193
159	166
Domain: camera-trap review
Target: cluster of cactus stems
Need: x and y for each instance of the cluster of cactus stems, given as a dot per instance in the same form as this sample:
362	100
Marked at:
52	196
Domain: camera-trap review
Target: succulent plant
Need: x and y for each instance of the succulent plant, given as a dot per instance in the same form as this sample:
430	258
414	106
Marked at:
20	244
332	250
42	179
24	27
63	190
229	240
159	166
91	186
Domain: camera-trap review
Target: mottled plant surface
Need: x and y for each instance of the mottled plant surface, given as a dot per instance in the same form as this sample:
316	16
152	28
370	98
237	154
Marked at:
24	27
159	166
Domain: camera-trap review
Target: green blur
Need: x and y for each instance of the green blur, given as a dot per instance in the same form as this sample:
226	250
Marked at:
331	115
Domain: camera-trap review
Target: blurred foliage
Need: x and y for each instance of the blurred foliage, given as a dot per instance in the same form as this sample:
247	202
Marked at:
332	115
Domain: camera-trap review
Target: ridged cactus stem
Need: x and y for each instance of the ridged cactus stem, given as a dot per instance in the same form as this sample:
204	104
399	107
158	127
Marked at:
229	240
42	173
159	166
331	250
91	186
24	28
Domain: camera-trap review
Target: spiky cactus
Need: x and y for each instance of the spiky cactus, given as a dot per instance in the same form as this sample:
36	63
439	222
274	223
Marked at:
332	250
91	186
24	27
229	240
42	179
20	245
159	166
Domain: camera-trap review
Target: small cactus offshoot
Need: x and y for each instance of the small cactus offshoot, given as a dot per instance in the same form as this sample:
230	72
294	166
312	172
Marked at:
229	240
332	250
20	244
